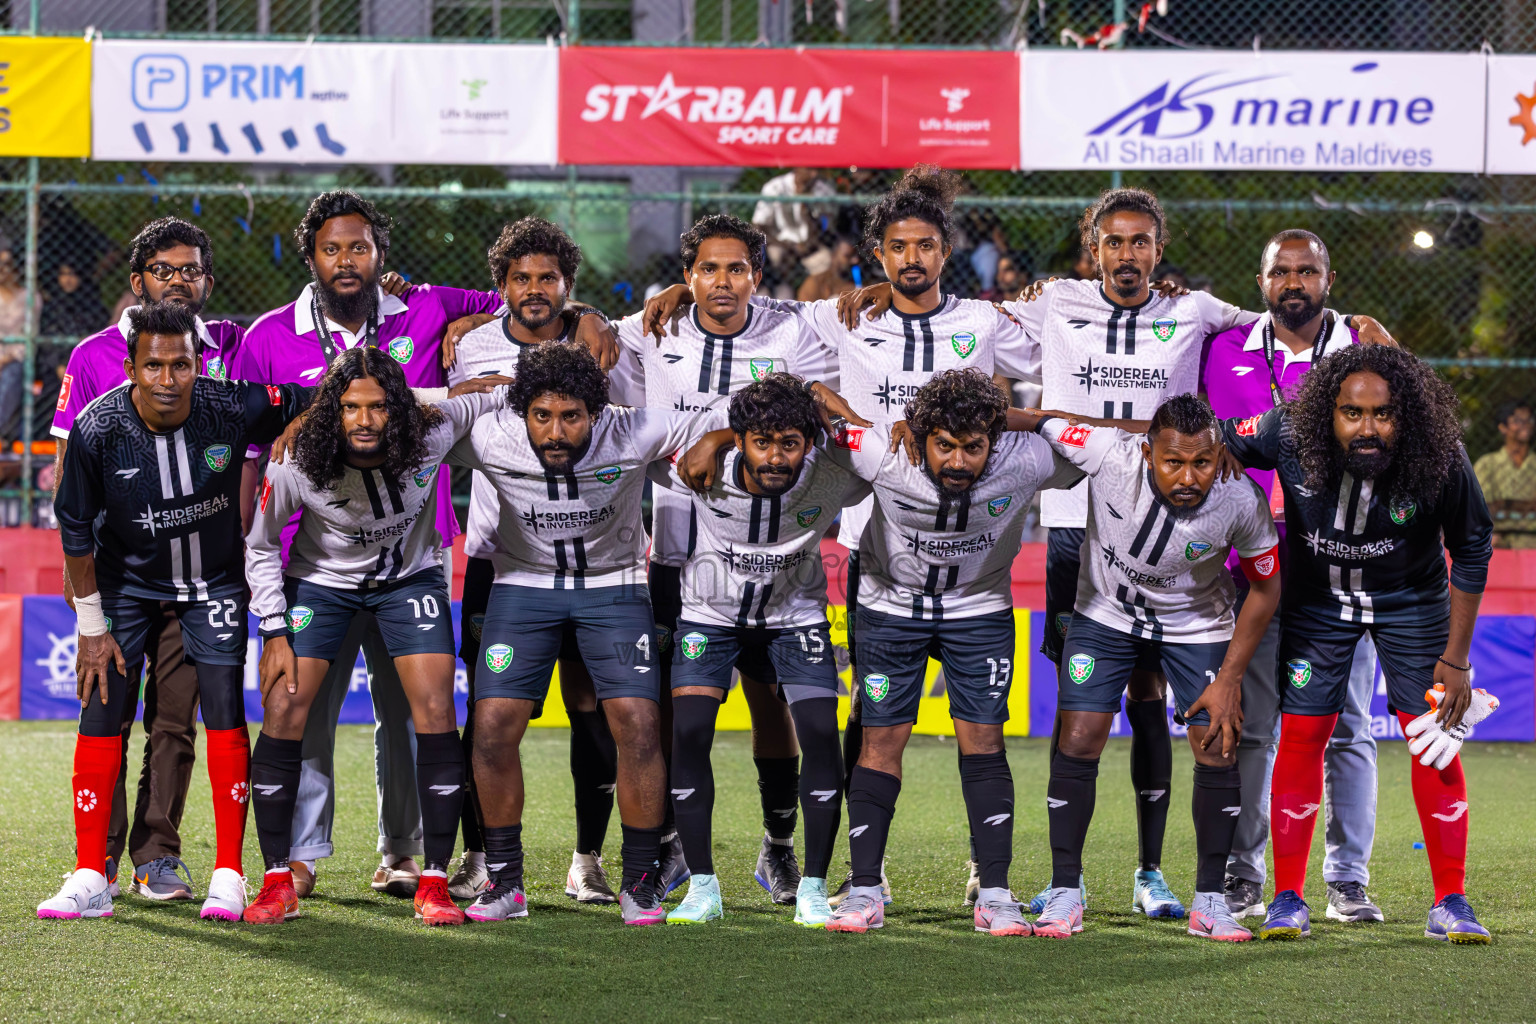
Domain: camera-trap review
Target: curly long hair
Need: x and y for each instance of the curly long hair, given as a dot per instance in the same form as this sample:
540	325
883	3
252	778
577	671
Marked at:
320	449
1121	200
961	402
927	193
533	236
1427	445
777	403
567	370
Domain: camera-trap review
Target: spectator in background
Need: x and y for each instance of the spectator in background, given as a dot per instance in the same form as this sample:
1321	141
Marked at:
1171	274
842	275
13	293
72	306
1508	478
1085	265
792	228
1012	275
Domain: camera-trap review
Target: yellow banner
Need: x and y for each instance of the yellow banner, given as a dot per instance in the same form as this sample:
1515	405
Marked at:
932	712
45	97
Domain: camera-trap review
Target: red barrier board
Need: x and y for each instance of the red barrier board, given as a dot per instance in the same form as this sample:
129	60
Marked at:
785	108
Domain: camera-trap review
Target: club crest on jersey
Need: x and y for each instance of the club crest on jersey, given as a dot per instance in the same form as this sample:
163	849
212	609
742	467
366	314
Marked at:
1163	328
216	369
1265	566
1195	548
762	367
498	657
1248	427
424	476
299	616
1299	672
401	350
997	506
1063	620
1402	510
877	686
608	474
476	624
663	639
693	645
1080	667
1076	436
806	516
217	456
965	344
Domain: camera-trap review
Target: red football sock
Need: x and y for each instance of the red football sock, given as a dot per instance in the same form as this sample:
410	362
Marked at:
1440	794
229	773
1296	795
97	760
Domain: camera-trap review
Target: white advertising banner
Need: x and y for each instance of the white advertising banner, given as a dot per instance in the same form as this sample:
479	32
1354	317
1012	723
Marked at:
1240	111
1512	114
168	99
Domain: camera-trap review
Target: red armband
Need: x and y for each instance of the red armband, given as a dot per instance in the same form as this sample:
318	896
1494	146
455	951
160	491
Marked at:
1262	567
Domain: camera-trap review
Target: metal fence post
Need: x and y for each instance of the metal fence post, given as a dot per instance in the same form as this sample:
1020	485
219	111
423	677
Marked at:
573	20
29	356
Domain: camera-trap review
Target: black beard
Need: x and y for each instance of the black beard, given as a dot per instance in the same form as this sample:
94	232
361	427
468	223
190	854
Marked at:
911	291
190	301
1292	321
771	485
578	452
352	308
1368	467
555	309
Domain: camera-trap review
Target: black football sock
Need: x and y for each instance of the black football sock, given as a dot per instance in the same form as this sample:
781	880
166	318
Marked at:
1215	803
853	731
871	805
1151	774
275	768
971	839
504	853
1069	799
821	780
778	787
693	778
987	785
594	769
469	812
440	792
641	853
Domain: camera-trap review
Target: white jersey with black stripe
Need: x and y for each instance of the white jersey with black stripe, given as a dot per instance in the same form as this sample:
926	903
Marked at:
1150	569
886	360
578	527
930	555
757	562
366	530
693	369
1101	359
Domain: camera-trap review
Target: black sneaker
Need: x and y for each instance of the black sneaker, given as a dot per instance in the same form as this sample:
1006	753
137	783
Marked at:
778	871
1348	901
1244	898
837	894
674	869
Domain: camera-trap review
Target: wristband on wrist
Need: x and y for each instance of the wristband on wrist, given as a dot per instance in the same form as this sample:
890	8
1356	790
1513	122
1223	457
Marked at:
89	619
1458	668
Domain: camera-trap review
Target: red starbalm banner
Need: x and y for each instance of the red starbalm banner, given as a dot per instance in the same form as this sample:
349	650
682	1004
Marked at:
787	108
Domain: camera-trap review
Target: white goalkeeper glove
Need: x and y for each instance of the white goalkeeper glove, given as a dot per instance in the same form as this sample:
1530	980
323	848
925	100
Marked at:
1436	746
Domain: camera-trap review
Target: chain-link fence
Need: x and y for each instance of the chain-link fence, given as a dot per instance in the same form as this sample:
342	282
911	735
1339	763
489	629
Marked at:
1446	261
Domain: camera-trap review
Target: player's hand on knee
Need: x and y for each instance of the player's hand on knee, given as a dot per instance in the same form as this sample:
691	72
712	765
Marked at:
875	296
1223	701
93	655
479	385
278	665
665	307
457	329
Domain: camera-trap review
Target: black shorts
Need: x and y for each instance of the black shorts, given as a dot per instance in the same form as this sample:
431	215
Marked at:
413	614
1098	661
1317	648
525	627
1063	557
800	660
976	652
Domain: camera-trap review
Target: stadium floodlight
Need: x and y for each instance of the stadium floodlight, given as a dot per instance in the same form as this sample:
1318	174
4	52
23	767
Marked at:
1423	239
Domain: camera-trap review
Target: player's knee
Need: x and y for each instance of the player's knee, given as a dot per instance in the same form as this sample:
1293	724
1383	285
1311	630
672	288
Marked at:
635	723
1081	738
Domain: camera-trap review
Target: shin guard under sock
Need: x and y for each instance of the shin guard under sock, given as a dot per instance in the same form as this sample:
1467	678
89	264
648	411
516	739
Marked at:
778	787
1151	775
1440	795
275	768
594	769
1215	803
1296	795
987	785
98	760
504	853
641	853
229	773
693	778
1069	800
821	780
440	792
871	805
469	814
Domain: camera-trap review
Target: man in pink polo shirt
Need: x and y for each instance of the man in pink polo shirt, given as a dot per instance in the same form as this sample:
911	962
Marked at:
1246	371
345	241
169	260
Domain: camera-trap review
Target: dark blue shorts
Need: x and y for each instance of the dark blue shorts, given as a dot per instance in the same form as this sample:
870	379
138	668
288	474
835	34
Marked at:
799	659
524	628
1317	649
1097	661
976	653
413	613
1063	558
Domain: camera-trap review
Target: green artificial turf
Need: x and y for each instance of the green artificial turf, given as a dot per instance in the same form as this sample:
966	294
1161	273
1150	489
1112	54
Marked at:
360	956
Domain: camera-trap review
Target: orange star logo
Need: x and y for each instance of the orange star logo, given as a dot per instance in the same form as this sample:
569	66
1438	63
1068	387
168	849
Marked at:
1524	120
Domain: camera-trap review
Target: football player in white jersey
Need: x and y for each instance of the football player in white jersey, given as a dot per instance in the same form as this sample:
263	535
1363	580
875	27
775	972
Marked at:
722	345
1155	593
938	555
569	472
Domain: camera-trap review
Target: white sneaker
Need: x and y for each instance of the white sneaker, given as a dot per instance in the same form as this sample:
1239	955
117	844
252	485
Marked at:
84	894
587	882
470	880
226	896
